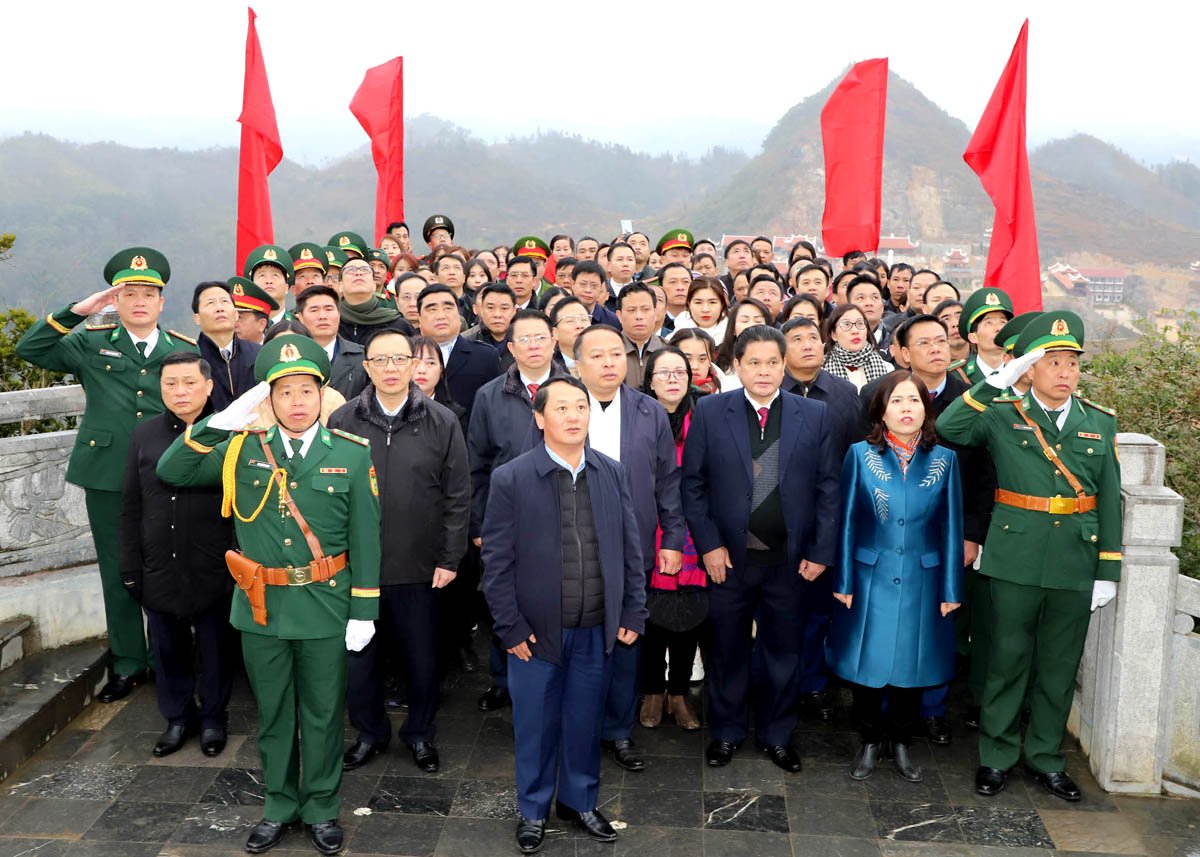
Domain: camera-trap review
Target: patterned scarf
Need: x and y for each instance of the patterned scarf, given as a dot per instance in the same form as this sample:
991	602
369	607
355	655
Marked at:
904	451
839	362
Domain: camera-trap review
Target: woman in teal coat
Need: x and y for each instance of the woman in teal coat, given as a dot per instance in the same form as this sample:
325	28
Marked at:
900	573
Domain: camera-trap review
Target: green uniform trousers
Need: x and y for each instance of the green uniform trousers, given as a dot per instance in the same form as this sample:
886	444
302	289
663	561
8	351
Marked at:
973	629
1037	641
123	615
300	687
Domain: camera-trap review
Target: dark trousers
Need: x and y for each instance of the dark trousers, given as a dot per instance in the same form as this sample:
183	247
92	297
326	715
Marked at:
675	678
122	614
497	662
1038	642
875	725
557	709
409	612
175	648
621	700
459	610
816	605
773	594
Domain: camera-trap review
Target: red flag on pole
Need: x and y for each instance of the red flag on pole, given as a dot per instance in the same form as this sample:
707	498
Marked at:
998	156
852	134
378	105
261	152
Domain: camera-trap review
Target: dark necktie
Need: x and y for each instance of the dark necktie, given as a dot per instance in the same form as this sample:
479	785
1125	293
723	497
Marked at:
141	348
1052	415
296	445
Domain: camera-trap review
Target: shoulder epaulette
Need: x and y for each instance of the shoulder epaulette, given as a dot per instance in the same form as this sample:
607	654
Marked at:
362	441
182	336
1008	398
99	327
1098	407
956	365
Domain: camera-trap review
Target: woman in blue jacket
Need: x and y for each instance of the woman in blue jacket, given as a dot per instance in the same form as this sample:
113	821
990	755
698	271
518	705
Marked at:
900	573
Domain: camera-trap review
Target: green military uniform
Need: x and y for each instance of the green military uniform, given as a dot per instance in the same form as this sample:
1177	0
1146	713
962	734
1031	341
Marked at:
980	303
1042	562
535	248
296	662
122	390
271	254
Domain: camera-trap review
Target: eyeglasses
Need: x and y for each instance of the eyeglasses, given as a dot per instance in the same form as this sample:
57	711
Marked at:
672	374
928	343
575	319
357	269
535	339
851	325
381	362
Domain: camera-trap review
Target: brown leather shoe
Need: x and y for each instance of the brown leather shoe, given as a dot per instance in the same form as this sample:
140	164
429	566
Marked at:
652	710
681	712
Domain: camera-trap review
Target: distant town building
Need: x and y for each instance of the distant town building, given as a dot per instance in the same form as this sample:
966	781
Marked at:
1098	285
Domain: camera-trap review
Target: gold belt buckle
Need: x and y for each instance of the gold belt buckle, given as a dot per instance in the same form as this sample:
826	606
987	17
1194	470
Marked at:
1062	505
301	576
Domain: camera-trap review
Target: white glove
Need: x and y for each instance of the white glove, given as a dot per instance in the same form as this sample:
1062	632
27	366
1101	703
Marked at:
1103	591
358	633
236	416
1014	369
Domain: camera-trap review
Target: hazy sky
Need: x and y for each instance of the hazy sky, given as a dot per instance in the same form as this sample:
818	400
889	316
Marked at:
652	75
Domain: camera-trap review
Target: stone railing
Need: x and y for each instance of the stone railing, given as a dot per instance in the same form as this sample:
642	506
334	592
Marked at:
47	558
1136	710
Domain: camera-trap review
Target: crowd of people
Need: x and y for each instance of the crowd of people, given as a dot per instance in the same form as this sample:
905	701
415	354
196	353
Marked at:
639	465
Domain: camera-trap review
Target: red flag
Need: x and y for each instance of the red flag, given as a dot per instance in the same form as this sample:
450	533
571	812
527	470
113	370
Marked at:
378	105
998	156
852	134
261	152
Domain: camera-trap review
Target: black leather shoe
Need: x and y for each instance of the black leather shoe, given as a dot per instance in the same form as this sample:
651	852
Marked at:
326	836
358	755
426	756
494	698
592	822
624	754
530	834
172	739
212	741
719	753
865	761
971	718
1060	785
904	764
265	836
989	781
784	756
938	730
818	704
120	686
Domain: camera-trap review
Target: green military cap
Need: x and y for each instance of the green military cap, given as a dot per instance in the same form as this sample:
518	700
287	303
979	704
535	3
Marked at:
437	221
246	295
349	242
533	247
1057	330
979	304
306	255
675	238
335	258
268	254
377	255
291	354
1007	336
138	266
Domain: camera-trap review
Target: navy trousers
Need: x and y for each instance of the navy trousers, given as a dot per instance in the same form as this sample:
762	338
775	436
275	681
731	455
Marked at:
175	641
624	686
816	604
773	594
557	709
408	612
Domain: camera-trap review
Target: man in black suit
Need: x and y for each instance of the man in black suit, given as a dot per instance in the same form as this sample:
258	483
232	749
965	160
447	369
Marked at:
762	499
231	360
317	310
469	365
923	342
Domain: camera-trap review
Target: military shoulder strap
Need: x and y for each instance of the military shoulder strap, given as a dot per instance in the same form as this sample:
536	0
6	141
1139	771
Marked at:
1052	456
309	536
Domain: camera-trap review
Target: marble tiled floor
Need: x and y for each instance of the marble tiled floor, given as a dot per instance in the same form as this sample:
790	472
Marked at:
96	790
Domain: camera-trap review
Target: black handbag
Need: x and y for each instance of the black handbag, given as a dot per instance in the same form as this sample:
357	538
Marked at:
678	610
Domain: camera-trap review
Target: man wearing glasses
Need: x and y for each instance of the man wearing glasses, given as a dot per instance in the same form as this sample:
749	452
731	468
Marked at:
420	461
361	310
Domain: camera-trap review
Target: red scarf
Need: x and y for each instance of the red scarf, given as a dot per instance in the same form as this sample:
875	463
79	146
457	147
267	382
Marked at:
904	451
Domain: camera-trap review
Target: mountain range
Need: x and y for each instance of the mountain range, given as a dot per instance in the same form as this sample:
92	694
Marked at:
73	205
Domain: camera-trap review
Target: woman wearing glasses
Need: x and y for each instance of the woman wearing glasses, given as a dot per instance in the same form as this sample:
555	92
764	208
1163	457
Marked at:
678	603
849	348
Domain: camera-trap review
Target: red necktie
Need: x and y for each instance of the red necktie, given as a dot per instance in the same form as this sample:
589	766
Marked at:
533	388
762	417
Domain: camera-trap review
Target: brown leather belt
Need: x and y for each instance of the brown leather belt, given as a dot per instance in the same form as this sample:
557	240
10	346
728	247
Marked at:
317	571
1051	505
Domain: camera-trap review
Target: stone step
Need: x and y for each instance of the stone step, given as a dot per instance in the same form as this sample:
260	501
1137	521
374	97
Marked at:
12	640
41	693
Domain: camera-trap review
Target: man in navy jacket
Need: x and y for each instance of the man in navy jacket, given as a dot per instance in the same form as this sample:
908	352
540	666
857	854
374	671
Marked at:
762	501
565	581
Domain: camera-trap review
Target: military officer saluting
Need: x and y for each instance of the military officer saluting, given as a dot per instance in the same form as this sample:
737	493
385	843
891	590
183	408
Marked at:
1054	546
306	511
118	366
985	312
